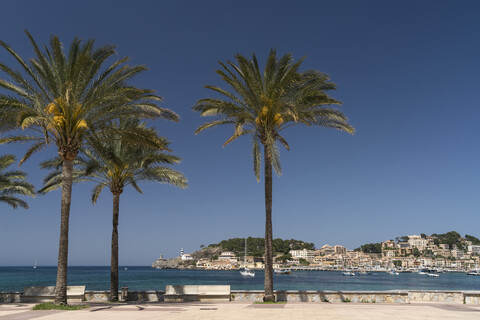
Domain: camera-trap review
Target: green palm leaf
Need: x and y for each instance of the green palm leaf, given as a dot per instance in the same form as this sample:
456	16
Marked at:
12	184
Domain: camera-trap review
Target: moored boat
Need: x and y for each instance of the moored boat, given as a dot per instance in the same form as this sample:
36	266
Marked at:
282	271
246	272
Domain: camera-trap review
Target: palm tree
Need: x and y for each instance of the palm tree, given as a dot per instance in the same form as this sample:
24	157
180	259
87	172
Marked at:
63	98
13	183
117	163
262	105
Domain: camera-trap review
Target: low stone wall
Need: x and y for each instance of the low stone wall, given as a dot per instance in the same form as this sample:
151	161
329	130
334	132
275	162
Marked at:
325	296
436	296
416	296
471	297
6	297
102	296
146	296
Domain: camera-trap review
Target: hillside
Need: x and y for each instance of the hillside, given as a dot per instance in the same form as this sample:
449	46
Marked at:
452	238
255	247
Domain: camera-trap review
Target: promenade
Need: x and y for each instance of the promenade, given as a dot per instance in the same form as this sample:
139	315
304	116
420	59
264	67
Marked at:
241	310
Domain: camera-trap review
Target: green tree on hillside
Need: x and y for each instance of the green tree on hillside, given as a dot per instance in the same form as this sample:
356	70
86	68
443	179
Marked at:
64	98
370	248
263	104
474	240
256	246
283	258
402	239
304	262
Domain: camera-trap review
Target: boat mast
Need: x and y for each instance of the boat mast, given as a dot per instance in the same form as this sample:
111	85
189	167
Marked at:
245	256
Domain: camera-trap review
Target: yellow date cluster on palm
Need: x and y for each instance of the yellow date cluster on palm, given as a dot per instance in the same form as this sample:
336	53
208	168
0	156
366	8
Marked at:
55	109
263	117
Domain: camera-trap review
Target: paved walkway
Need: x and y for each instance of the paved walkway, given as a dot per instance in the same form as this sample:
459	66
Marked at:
249	311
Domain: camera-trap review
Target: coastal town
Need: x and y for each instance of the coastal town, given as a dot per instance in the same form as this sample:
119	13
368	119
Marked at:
408	253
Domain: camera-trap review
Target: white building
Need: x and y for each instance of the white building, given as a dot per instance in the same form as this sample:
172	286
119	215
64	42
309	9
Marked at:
458	254
302	254
227	256
185	257
417	242
474	249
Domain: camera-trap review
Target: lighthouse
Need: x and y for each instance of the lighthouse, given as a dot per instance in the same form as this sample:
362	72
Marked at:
184	256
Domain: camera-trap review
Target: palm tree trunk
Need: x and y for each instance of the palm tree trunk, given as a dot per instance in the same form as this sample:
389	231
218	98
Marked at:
268	229
61	285
114	257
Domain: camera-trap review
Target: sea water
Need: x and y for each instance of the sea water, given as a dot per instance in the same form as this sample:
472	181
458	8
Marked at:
145	278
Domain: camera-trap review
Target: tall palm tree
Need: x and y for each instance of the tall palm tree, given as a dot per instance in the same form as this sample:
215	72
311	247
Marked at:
117	163
12	183
262	105
63	98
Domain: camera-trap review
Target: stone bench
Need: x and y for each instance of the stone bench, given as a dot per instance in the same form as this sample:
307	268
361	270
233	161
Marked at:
47	294
197	293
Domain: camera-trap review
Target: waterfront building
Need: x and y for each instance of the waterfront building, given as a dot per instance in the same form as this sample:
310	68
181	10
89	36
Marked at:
302	254
457	253
388	244
389	253
430	242
405	251
444	246
442	252
473	249
340	250
227	256
324	260
327	249
417	242
203	263
403	245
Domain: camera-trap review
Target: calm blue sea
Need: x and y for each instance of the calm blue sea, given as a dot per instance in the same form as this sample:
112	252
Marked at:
145	278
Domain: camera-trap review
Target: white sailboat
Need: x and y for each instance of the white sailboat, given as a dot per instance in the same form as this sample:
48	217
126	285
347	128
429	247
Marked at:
393	272
35	265
246	272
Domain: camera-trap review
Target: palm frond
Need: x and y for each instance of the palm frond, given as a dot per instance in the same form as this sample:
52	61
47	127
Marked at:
96	192
257	158
269	101
65	96
12	184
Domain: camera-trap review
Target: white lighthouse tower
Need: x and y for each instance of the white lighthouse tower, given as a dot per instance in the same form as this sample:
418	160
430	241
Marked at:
184	256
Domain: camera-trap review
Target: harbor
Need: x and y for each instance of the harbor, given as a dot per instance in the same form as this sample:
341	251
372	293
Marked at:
14	279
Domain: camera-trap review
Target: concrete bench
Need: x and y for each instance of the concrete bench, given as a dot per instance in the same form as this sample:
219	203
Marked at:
197	293
47	294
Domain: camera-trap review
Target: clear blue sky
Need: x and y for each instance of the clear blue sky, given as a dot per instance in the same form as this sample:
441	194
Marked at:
406	71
